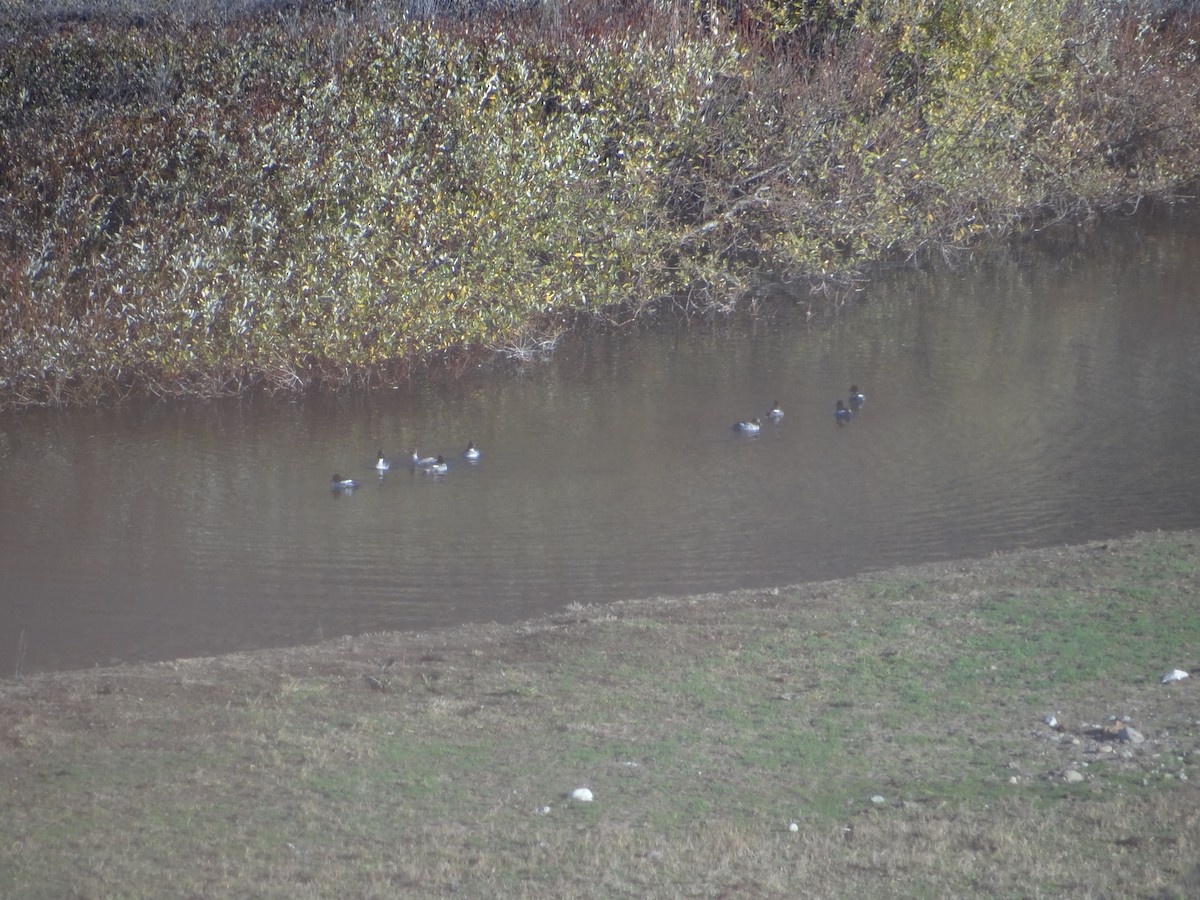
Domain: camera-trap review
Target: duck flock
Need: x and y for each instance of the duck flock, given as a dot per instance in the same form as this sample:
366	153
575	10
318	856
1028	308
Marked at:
430	465
843	412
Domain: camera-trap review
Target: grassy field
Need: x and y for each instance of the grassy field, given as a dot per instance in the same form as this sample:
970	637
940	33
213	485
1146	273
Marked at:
895	719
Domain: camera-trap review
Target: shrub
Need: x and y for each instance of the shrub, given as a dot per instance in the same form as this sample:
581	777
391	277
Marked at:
338	194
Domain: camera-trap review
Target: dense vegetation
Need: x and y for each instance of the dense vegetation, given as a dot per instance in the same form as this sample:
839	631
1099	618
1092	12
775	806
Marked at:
200	200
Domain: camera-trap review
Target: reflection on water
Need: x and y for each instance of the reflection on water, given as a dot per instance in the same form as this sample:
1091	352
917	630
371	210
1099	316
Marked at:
1051	398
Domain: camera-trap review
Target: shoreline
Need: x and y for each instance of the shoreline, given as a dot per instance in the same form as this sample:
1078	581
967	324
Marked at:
885	735
493	631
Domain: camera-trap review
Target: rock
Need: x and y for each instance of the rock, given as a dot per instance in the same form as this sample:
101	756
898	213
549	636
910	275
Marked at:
1174	675
878	799
1073	776
793	827
582	794
1130	735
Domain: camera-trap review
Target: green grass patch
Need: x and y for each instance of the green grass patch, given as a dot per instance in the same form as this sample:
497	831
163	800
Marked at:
896	719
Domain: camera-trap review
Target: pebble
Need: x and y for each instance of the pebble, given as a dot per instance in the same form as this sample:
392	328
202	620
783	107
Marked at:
582	794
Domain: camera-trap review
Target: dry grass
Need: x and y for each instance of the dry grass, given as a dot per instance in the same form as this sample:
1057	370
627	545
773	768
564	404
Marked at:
430	764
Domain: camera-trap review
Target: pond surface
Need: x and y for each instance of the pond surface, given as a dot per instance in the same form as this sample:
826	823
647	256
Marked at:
1046	396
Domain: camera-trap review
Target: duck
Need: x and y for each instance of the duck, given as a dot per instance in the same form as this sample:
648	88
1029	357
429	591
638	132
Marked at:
841	413
754	426
776	413
422	462
382	464
438	466
857	398
339	484
471	452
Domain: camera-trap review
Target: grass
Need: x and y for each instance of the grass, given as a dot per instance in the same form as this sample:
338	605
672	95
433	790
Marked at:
704	725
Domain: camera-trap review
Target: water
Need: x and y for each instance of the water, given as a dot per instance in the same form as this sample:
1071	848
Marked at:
1047	396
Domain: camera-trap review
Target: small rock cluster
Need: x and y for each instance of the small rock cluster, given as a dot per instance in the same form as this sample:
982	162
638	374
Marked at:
1173	746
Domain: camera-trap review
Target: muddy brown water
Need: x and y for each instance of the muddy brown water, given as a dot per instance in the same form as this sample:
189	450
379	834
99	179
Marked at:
1050	395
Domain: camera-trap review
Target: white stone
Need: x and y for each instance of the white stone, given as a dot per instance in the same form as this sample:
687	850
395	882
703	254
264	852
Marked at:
582	794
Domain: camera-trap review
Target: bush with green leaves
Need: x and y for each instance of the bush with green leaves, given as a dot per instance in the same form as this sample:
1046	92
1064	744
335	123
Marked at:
334	198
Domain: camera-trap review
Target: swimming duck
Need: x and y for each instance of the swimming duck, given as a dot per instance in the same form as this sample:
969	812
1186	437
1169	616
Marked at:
471	452
422	462
438	466
340	484
776	413
754	426
382	464
857	398
841	413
